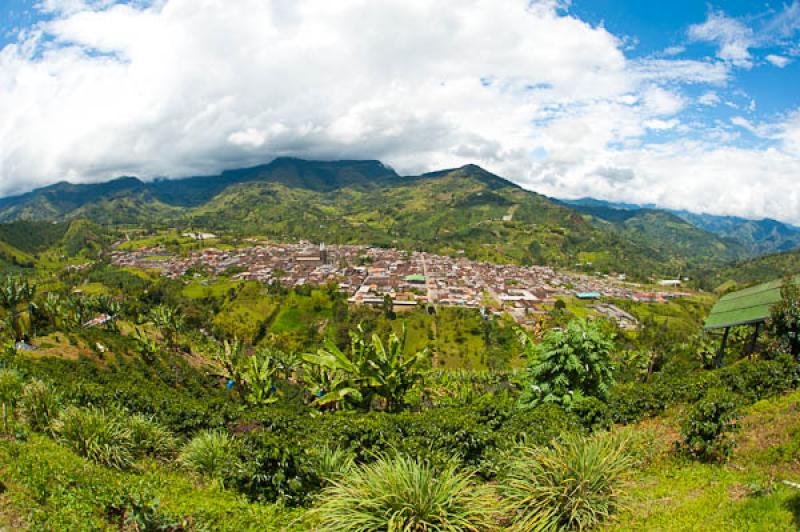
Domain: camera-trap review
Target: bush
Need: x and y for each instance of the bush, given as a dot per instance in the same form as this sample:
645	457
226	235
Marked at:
10	389
707	427
148	437
569	364
214	454
399	494
96	435
39	404
593	413
575	484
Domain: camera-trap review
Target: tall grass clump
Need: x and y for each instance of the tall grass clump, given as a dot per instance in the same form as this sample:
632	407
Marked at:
214	454
401	494
148	437
96	435
331	464
572	485
39	404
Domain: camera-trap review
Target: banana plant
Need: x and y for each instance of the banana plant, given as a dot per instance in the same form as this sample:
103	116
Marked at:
369	370
169	321
16	294
259	381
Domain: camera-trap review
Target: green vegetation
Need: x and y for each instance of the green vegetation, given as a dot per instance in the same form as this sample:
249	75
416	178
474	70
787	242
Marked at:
222	404
399	493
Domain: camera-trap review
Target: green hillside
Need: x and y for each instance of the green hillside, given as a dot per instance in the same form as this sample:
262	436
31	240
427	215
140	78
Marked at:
459	211
758	270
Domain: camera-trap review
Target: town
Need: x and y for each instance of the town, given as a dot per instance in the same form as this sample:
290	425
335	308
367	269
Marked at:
370	275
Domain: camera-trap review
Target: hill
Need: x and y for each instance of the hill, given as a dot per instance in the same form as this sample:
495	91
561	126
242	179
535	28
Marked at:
464	210
667	233
758	270
757	237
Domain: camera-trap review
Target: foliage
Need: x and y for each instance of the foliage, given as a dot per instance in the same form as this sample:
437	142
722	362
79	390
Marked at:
169	321
568	364
39	405
370	370
213	454
784	322
16	293
96	435
574	484
148	437
708	425
402	494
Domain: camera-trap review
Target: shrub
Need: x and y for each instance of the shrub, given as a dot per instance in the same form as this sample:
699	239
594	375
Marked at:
39	404
399	494
784	323
96	435
10	388
148	437
593	413
574	484
568	364
214	454
707	427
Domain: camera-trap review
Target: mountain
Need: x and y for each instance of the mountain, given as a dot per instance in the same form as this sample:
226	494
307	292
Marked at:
463	210
758	237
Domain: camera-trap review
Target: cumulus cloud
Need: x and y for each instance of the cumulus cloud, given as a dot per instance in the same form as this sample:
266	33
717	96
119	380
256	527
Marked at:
185	87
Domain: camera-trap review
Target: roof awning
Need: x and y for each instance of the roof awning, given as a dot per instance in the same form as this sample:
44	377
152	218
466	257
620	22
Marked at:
748	306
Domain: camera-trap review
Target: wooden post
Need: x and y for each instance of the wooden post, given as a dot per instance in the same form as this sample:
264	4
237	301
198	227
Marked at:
754	339
721	352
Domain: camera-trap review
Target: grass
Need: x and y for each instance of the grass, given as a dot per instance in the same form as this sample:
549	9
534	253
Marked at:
746	494
49	487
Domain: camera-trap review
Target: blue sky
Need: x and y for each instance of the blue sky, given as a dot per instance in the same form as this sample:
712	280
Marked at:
683	104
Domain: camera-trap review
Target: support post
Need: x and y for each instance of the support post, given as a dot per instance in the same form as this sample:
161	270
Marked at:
721	352
754	340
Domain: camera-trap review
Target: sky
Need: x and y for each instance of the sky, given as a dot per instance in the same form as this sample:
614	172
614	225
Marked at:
682	104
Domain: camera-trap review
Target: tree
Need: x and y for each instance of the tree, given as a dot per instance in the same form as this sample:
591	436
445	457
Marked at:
568	364
784	322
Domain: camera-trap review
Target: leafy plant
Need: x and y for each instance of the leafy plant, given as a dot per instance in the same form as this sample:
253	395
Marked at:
575	484
568	364
707	427
39	404
213	454
10	388
169	321
16	294
784	322
97	435
370	369
401	494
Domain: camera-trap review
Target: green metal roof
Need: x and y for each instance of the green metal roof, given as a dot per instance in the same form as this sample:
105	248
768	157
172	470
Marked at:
751	305
588	295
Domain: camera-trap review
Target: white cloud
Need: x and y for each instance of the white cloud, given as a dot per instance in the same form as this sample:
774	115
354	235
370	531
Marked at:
710	98
733	37
527	90
778	60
